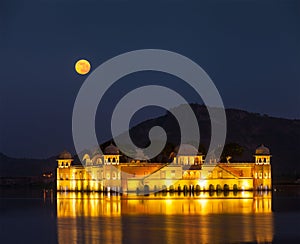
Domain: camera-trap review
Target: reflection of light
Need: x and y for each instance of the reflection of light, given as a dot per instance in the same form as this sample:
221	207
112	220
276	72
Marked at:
169	183
169	202
201	184
74	204
197	210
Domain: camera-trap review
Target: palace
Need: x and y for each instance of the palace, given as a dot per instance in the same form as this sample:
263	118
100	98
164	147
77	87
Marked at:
185	173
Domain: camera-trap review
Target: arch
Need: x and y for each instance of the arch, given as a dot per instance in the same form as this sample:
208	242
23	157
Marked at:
185	188
211	187
164	188
146	189
235	187
179	188
219	188
171	188
197	188
226	187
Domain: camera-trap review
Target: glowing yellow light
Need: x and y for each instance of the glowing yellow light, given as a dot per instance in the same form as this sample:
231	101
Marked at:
82	67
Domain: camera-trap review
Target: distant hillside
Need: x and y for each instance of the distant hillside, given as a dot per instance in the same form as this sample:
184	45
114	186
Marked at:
22	167
248	130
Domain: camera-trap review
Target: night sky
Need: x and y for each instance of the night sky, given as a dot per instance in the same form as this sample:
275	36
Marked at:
250	49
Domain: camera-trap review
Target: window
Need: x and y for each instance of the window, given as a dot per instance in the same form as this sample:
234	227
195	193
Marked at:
173	173
162	174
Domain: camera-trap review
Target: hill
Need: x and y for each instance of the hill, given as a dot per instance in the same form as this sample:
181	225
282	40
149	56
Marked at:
245	129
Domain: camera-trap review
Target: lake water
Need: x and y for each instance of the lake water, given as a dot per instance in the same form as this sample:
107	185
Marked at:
28	216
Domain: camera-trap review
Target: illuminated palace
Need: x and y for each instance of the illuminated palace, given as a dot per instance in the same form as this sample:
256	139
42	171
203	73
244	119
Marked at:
186	173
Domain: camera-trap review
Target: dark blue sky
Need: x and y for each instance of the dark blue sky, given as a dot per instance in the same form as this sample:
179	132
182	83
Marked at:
250	49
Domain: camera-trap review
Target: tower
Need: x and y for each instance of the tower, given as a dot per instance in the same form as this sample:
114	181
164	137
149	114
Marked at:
112	173
262	169
111	155
64	162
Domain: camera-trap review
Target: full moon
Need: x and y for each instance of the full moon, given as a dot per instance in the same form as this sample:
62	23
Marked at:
82	66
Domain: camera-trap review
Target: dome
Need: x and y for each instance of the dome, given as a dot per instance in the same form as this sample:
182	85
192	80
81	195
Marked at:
65	155
111	149
186	149
262	150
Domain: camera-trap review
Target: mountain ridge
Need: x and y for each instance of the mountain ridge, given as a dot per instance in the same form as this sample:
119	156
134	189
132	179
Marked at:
244	128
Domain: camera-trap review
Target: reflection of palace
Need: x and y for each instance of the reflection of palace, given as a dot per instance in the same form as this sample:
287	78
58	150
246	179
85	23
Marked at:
185	173
75	204
99	216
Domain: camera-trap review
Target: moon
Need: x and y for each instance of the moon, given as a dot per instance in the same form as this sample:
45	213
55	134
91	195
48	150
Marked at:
82	66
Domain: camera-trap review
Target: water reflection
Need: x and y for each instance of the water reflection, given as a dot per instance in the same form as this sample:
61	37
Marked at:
241	217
